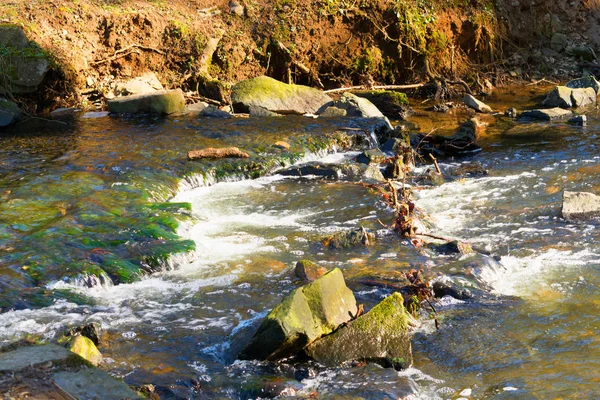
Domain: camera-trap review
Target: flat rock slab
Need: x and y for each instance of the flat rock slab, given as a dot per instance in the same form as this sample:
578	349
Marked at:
550	114
24	357
93	384
580	206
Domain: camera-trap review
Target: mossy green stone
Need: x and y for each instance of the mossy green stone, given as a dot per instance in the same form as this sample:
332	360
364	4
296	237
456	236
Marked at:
85	348
159	102
277	96
380	336
309	312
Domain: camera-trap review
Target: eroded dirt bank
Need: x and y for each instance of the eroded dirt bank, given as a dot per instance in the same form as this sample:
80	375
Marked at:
322	43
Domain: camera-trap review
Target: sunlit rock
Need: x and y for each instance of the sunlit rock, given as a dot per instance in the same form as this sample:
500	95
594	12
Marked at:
380	336
306	314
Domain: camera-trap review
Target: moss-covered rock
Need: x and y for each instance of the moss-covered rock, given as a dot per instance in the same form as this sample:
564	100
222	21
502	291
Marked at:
277	96
392	104
159	102
380	336
24	63
306	314
346	239
85	348
9	112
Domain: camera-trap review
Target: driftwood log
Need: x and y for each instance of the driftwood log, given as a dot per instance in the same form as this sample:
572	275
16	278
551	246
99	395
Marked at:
212	152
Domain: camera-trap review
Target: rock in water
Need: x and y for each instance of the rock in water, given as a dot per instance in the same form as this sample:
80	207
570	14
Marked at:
380	336
359	107
308	271
589	81
551	114
346	239
580	206
475	104
566	97
85	348
306	314
9	112
276	96
160	102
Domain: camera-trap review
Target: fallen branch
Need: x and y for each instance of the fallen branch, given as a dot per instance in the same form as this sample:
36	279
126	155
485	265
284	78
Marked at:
543	80
377	87
212	152
437	167
126	51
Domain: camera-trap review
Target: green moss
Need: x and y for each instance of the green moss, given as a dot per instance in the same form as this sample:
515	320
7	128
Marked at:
387	316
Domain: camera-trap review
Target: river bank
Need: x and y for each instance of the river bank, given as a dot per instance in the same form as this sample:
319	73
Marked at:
205	47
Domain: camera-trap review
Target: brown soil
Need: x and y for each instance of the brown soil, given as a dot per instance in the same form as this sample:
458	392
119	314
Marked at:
327	43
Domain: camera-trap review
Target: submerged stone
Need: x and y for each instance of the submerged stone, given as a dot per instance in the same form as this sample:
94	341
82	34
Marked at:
580	206
379	336
276	96
306	314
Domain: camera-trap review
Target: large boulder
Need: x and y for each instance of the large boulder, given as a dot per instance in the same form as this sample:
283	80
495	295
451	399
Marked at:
306	314
276	96
24	63
9	112
580	206
550	114
358	107
566	97
381	336
589	81
159	102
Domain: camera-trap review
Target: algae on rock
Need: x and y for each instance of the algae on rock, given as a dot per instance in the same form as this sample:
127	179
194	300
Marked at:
380	336
306	314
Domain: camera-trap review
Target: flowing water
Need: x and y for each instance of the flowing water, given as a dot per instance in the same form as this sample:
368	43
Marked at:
87	194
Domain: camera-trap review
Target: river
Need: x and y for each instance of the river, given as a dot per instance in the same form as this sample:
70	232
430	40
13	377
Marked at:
95	194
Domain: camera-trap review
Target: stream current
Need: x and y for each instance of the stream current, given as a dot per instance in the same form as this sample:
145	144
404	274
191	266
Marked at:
531	330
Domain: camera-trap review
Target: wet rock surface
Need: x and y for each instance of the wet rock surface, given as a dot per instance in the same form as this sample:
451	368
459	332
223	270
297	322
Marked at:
159	102
550	114
309	312
276	96
380	336
580	206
